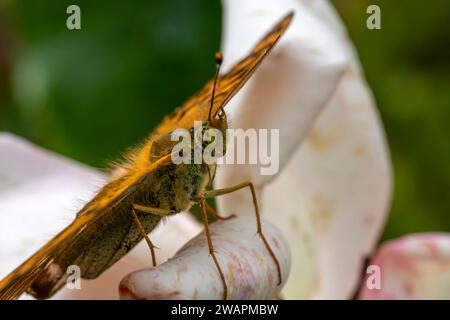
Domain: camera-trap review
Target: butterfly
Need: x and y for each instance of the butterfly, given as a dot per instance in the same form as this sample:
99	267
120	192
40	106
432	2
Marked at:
143	189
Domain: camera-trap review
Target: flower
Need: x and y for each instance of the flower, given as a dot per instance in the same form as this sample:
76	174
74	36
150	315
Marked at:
416	266
333	189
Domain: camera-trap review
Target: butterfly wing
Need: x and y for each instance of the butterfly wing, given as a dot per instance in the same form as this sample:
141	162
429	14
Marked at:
45	261
18	281
197	107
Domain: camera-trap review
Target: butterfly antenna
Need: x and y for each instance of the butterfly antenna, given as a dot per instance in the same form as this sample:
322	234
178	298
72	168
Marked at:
218	57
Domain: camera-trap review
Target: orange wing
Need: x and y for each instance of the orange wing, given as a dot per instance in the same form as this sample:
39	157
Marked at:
21	278
197	107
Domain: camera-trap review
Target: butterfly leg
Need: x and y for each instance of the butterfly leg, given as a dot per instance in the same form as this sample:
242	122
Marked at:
219	192
202	203
216	214
156	211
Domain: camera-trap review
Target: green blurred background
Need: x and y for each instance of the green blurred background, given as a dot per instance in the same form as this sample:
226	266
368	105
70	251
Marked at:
90	94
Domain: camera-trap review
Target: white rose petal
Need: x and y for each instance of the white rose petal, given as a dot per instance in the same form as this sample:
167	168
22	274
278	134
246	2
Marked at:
249	270
333	191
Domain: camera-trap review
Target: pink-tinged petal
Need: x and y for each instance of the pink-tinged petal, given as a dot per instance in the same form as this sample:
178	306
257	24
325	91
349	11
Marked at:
333	191
40	192
413	267
249	270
